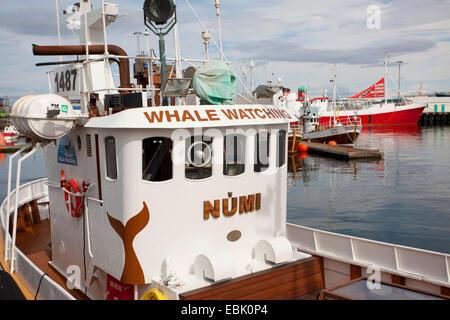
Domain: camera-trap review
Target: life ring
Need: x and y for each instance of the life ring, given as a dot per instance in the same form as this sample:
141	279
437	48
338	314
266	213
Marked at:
153	294
75	210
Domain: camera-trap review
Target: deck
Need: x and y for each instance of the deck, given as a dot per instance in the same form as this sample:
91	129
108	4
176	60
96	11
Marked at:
297	280
341	152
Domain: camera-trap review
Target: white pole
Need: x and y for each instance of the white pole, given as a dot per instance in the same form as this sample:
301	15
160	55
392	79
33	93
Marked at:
149	67
252	79
177	51
334	95
386	79
58	27
16	204
10	160
217	4
104	29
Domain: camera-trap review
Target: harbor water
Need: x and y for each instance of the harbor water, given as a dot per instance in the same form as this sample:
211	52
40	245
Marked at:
403	198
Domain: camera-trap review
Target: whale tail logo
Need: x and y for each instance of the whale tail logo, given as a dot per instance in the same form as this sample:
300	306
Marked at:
132	270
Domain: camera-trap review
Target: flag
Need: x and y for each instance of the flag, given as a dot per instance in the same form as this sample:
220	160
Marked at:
375	91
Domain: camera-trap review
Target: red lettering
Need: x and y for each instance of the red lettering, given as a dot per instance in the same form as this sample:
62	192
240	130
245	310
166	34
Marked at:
199	118
154	116
269	113
243	114
174	115
212	115
258	111
286	114
187	115
277	113
230	113
251	113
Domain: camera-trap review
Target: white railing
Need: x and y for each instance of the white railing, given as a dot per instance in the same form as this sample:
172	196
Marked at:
423	265
27	272
345	121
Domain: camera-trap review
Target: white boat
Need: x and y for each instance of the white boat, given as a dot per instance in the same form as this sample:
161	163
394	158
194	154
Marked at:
175	202
343	130
10	132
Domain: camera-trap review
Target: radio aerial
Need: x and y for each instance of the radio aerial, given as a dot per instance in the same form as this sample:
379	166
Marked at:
160	17
73	17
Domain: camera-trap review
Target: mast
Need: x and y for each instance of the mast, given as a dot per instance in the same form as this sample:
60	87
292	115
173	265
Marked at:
217	4
58	27
386	78
252	75
334	94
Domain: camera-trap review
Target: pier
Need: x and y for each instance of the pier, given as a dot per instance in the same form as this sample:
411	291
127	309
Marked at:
341	152
436	112
434	118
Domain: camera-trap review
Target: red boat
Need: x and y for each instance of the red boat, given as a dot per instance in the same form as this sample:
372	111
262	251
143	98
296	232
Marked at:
380	114
371	112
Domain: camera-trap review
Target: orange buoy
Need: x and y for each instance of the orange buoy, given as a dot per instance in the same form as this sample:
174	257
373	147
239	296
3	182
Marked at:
303	155
302	147
332	143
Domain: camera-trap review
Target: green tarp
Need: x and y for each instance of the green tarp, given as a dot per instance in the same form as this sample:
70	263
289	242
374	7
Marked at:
214	83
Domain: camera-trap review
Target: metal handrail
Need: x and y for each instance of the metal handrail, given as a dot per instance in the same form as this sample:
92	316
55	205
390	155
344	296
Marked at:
310	243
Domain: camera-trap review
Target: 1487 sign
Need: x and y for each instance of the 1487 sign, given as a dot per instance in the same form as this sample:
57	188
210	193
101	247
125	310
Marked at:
66	81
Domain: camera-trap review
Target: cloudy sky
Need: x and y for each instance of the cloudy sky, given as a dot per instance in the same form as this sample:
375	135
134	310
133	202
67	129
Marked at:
297	41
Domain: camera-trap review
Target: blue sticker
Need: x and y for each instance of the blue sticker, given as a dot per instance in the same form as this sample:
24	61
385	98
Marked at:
66	152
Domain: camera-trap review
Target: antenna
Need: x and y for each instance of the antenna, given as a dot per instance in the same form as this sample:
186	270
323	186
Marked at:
206	36
252	79
160	17
217	5
73	17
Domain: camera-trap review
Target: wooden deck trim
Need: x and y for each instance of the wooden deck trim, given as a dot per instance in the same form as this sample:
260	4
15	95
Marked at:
395	279
251	285
445	292
355	272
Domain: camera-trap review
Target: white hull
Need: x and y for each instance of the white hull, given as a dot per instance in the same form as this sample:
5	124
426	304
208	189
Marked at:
421	269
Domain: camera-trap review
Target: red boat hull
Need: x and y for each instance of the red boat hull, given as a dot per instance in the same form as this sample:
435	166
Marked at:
398	117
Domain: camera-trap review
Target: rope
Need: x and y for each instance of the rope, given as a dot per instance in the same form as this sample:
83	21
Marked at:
39	286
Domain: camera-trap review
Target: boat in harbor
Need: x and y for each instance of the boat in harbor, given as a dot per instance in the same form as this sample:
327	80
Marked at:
10	133
154	201
372	107
343	130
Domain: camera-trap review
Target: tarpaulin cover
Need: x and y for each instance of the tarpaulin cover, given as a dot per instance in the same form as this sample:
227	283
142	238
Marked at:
215	83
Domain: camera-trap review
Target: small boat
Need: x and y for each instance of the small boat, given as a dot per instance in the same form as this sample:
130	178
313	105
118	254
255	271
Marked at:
344	130
10	132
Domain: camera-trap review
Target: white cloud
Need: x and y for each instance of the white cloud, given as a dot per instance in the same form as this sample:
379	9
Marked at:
298	41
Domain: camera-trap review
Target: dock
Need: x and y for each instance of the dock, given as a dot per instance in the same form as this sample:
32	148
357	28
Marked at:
10	149
342	152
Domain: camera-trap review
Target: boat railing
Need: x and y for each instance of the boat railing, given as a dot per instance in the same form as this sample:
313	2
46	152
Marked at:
418	264
25	270
340	121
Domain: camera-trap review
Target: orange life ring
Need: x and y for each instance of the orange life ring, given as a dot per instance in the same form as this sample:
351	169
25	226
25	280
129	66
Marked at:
75	210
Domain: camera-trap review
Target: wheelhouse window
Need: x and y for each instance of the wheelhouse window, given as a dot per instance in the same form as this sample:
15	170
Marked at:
198	164
111	158
157	159
234	155
261	151
281	148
